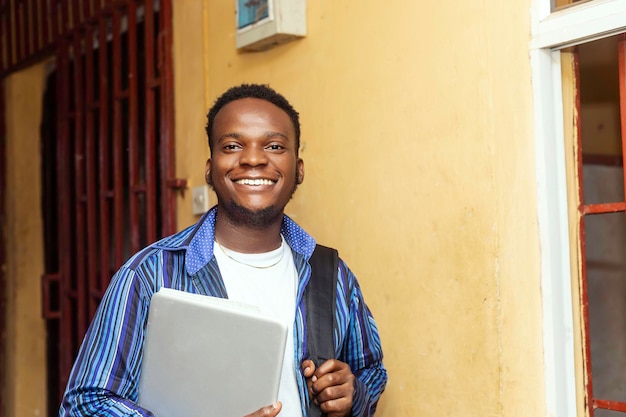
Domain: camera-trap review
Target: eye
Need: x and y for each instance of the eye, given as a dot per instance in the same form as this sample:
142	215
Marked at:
231	147
275	147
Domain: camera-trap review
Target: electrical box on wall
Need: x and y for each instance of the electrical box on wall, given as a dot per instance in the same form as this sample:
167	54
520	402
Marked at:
263	24
200	200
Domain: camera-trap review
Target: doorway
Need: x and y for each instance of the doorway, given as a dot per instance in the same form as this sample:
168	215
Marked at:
107	166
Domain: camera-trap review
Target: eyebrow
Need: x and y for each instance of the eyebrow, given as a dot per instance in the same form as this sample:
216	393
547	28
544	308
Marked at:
269	134
229	135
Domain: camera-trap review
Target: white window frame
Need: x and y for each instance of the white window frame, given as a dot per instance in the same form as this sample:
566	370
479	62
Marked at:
570	26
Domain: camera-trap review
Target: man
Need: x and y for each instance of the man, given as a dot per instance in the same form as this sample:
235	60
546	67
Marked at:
247	249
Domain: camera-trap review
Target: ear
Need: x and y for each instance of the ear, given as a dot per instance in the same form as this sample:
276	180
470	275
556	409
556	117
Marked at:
207	173
299	171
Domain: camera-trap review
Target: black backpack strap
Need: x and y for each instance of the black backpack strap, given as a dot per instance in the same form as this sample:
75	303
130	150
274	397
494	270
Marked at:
319	296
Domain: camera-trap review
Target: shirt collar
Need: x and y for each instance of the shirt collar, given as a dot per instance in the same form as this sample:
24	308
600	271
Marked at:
198	240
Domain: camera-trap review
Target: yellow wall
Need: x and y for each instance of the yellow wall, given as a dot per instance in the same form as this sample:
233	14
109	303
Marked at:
418	146
419	156
24	390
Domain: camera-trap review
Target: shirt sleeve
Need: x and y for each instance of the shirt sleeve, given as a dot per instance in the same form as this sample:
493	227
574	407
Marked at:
105	376
362	349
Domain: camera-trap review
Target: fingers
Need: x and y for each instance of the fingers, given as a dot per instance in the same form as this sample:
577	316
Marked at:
332	366
332	387
308	368
269	411
337	408
331	373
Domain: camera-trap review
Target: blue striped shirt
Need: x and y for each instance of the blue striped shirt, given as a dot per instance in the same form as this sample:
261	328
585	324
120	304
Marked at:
105	376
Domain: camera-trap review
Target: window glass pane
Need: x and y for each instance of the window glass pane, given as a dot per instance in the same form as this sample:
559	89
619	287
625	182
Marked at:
559	4
603	183
607	413
600	134
605	236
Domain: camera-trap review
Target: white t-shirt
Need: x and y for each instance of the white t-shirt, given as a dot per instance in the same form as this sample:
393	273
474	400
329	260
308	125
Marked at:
269	282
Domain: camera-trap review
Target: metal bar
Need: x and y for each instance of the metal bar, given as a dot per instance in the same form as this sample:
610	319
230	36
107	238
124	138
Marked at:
133	131
621	58
4	46
64	199
609	405
168	203
74	13
91	167
2	241
28	26
104	160
45	15
60	18
39	31
603	208
584	299
584	303
84	6
38	19
38	26
118	146
38	34
76	17
54	19
12	26
33	26
19	31
148	24
79	185
47	312
65	16
11	40
150	128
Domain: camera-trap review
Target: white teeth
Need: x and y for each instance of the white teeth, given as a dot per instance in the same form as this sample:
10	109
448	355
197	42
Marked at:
255	182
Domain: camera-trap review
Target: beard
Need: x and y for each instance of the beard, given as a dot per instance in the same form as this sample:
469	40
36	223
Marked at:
252	219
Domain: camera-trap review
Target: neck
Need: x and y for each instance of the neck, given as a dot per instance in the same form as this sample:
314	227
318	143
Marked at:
241	238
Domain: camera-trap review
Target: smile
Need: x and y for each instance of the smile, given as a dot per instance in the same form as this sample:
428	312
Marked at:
259	181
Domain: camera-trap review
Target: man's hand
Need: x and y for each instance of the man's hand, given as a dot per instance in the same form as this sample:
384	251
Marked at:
269	411
331	386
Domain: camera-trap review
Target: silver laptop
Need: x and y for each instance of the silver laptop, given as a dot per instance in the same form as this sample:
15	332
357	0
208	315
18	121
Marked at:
209	357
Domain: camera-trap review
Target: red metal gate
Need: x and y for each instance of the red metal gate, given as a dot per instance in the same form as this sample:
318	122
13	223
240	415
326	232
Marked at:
108	159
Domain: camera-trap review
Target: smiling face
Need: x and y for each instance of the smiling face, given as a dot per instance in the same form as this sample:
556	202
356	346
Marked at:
253	168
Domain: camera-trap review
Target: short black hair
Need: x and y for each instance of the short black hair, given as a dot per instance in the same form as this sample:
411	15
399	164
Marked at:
260	91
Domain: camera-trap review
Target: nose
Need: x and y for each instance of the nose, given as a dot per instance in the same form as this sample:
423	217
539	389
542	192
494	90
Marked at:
253	156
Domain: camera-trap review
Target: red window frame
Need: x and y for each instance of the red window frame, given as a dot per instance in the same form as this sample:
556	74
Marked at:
593	402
